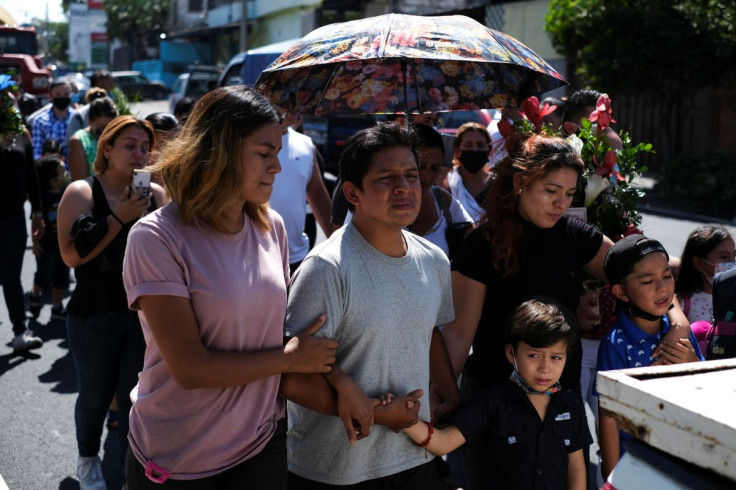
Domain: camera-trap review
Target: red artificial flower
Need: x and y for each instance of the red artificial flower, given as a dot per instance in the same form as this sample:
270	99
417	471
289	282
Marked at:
608	167
632	230
602	112
505	128
530	108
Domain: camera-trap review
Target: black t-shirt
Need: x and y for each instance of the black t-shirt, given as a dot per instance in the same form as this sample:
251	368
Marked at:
100	288
550	264
524	452
19	180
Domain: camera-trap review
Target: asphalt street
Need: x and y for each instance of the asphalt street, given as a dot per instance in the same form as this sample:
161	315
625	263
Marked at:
38	389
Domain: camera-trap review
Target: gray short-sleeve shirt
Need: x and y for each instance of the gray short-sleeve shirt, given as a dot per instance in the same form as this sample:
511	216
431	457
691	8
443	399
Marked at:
381	310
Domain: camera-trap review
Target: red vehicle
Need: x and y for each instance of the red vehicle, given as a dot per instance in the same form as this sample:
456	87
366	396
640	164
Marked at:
19	52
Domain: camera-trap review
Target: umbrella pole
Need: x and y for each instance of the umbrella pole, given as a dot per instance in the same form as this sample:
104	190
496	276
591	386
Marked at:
406	93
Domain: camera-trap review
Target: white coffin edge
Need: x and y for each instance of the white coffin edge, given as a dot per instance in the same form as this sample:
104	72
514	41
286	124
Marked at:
687	410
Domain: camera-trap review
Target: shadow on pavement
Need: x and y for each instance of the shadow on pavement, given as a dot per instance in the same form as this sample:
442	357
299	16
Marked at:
63	374
13	359
69	483
113	461
112	465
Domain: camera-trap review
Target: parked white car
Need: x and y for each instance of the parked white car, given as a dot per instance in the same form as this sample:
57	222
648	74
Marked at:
194	85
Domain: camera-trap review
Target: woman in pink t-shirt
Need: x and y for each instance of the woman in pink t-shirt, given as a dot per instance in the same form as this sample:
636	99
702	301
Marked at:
208	273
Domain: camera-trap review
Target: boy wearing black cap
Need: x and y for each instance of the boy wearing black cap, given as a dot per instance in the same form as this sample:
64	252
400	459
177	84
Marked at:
641	279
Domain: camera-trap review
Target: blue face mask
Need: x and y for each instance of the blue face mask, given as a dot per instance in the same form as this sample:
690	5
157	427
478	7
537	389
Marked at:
519	380
75	98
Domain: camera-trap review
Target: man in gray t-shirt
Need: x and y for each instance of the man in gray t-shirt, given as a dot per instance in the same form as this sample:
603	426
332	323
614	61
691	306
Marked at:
383	291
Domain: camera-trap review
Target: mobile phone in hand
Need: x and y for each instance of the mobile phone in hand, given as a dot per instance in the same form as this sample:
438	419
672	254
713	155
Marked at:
141	180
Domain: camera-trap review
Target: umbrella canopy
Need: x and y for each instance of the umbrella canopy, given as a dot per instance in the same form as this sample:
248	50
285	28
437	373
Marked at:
405	63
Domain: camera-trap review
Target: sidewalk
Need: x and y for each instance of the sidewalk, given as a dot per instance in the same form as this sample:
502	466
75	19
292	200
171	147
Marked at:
654	205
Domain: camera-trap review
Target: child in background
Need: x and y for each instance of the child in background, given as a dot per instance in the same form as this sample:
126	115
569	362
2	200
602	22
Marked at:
536	432
709	249
638	270
51	147
51	271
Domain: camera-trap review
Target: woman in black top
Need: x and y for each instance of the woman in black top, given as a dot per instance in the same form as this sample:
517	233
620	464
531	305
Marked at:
105	337
526	247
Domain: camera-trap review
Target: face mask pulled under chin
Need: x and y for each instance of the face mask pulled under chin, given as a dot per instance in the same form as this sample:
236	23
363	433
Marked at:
473	160
62	103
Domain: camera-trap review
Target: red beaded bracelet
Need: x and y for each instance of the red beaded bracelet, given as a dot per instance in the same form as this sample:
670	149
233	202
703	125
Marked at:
425	444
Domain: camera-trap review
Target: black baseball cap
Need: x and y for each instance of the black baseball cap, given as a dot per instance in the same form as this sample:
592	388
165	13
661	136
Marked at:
625	253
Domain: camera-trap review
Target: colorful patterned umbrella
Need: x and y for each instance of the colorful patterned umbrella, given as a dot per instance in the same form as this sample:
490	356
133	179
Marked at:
405	63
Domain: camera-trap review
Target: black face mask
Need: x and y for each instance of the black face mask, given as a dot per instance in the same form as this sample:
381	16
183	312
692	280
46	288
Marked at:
62	103
634	310
473	160
97	132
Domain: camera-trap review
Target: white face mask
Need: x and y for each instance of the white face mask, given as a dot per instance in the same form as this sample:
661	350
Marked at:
717	269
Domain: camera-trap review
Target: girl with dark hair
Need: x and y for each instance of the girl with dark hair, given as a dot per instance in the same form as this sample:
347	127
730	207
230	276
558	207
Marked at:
52	274
83	145
709	249
208	274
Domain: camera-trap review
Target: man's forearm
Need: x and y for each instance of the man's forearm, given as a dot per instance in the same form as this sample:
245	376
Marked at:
311	391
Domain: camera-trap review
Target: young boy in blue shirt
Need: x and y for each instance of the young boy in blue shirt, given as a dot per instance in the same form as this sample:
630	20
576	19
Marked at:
638	270
536	433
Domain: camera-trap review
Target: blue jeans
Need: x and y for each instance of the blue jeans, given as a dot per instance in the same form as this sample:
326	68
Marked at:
108	353
13	238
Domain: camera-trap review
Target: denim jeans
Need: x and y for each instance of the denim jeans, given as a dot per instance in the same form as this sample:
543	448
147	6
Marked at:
13	238
108	353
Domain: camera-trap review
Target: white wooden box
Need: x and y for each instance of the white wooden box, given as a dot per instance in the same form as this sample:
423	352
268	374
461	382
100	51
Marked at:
687	410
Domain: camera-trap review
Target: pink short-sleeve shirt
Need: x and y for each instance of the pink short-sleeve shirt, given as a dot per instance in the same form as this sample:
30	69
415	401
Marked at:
237	288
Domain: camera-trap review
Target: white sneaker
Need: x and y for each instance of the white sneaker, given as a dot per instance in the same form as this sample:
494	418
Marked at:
25	341
89	472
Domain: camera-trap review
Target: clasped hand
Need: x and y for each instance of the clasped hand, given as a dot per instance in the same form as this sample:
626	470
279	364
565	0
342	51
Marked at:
308	354
675	348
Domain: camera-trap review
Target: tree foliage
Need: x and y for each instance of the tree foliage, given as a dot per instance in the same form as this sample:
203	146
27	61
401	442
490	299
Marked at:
133	21
666	48
59	41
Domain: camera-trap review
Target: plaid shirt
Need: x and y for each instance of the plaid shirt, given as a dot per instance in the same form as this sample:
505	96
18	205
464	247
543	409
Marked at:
49	127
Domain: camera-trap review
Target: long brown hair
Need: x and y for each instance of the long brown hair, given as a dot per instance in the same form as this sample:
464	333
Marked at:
201	168
531	158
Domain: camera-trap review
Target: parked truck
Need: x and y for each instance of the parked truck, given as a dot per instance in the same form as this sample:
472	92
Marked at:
19	53
683	419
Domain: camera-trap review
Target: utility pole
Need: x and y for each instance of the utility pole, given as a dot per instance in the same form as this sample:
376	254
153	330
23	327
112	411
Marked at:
46	33
243	25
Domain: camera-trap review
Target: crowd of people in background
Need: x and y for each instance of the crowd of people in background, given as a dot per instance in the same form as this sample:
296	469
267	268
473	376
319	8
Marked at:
444	293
